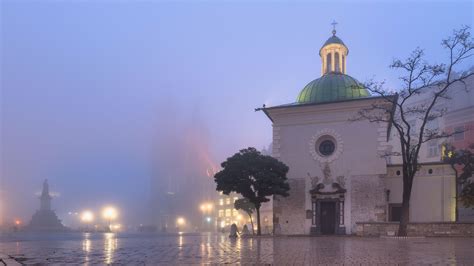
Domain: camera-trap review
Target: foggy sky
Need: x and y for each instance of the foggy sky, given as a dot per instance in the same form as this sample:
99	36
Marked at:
89	90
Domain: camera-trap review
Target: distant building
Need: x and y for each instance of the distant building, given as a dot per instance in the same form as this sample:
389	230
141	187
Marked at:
225	212
458	119
45	218
226	215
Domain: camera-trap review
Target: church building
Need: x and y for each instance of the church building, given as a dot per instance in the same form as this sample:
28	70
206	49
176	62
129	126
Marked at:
337	175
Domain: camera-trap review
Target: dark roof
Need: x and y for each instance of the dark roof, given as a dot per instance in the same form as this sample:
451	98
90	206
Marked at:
296	104
331	40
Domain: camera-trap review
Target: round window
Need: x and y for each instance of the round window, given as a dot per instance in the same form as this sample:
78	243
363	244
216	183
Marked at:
326	147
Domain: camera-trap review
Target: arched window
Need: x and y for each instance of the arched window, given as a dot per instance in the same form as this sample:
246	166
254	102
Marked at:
337	68
328	63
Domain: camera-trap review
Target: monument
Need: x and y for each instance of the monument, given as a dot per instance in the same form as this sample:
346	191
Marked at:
45	219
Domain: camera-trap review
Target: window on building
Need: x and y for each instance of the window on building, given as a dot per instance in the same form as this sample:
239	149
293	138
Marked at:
433	148
227	201
221	202
314	213
341	212
234	212
394	212
343	64
328	63
228	212
327	147
221	213
458	133
336	62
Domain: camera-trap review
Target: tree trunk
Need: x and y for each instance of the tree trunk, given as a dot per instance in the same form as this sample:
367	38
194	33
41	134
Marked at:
259	229
251	221
405	215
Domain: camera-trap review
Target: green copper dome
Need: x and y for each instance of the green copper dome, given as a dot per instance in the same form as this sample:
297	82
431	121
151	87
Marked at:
332	87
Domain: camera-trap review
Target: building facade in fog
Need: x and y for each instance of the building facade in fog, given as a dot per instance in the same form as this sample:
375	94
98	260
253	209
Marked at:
183	179
459	118
338	176
226	215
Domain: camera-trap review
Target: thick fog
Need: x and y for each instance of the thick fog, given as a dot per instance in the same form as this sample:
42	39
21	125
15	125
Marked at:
123	103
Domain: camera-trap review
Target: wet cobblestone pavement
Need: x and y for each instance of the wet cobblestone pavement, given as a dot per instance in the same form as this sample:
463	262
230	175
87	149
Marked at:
138	249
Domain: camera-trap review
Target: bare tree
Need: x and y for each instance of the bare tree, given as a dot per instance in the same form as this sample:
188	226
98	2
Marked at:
398	109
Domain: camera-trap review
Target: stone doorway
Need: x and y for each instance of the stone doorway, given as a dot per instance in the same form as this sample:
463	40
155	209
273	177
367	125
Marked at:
328	218
327	200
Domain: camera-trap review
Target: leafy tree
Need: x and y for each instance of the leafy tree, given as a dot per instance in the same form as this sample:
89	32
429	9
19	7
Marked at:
464	158
248	207
398	109
254	176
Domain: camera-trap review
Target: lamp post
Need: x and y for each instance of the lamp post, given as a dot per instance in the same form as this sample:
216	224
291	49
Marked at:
109	214
206	209
87	217
180	222
17	224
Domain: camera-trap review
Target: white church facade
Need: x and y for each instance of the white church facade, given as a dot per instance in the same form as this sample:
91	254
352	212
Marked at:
337	175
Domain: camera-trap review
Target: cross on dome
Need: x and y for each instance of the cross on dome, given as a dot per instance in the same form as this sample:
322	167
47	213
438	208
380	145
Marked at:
334	23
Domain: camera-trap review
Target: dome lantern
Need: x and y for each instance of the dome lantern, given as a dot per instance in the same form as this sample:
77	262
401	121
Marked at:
334	84
333	54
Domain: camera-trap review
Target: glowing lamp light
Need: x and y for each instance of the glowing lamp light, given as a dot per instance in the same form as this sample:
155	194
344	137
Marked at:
109	213
208	219
87	216
117	226
17	222
206	207
180	221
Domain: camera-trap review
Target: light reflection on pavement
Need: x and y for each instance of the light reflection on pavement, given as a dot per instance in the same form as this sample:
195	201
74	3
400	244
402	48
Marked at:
110	248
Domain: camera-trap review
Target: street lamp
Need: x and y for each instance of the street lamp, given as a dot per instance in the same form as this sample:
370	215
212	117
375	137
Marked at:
209	207
206	209
17	224
180	222
109	213
87	216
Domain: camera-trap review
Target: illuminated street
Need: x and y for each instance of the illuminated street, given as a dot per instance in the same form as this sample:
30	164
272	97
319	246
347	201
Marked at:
153	249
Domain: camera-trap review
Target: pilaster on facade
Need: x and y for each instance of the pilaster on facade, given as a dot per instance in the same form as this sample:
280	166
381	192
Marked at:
382	139
276	142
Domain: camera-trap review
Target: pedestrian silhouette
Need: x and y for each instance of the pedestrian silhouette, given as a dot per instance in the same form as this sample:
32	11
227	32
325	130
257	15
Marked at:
233	230
245	231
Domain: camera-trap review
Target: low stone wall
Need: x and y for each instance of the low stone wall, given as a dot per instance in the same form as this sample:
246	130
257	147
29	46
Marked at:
416	229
